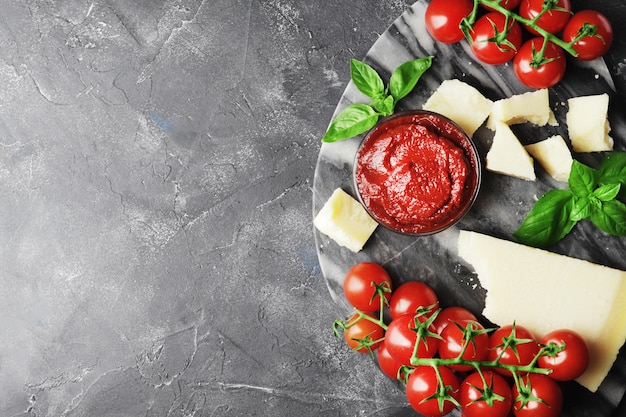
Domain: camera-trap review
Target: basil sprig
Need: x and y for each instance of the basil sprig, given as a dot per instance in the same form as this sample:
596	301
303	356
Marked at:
358	117
593	194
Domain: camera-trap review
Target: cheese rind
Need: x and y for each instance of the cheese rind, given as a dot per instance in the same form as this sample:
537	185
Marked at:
554	156
544	291
588	124
533	107
461	103
343	219
508	156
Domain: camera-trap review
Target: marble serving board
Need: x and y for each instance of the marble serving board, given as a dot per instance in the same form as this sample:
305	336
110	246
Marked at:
502	202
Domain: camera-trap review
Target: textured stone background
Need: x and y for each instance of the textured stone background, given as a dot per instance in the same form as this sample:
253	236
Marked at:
156	245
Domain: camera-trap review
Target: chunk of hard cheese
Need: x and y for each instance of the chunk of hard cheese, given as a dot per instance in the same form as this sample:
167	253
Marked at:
554	156
533	107
508	156
344	220
588	124
461	103
544	291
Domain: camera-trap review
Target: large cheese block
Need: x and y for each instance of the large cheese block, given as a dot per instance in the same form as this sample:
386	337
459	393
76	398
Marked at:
544	291
507	155
532	106
554	156
461	103
343	219
588	124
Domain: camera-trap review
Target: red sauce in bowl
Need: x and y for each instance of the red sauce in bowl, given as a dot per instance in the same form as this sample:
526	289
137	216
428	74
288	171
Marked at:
417	172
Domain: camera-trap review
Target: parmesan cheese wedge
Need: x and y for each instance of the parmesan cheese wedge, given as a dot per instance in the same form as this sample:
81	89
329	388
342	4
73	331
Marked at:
533	107
344	220
544	291
588	124
461	103
508	156
554	156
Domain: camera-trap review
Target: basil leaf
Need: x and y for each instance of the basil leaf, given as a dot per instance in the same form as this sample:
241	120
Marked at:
581	209
366	79
404	78
582	179
353	120
607	192
384	105
549	219
613	169
611	218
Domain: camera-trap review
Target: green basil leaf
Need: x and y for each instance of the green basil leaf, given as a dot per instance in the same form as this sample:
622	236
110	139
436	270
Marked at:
548	221
607	192
582	179
384	105
405	77
581	209
613	169
611	218
366	79
353	120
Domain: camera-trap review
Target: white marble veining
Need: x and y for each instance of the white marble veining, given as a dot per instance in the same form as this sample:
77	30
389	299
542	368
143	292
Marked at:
503	201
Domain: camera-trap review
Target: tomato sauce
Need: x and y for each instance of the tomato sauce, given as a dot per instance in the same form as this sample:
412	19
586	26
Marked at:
417	172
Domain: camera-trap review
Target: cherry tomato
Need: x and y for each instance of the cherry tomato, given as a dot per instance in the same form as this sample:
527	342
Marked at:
539	75
537	386
466	339
443	17
597	41
387	364
450	314
553	20
507	4
488	397
569	363
360	283
494	39
423	386
512	345
410	296
402	336
363	335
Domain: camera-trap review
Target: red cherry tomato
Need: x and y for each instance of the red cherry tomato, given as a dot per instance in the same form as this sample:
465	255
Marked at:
541	396
553	20
598	30
443	17
411	296
422	386
507	4
569	363
465	339
360	283
512	345
363	335
488	395
492	42
387	364
402	336
450	314
536	74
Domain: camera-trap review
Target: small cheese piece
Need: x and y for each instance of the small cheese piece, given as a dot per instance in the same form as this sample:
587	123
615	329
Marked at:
344	220
544	291
554	156
588	124
533	107
461	103
508	156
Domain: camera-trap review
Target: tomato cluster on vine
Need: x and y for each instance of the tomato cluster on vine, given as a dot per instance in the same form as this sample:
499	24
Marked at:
447	359
536	34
